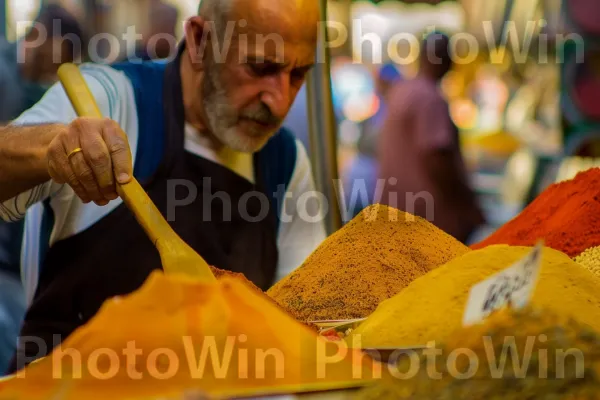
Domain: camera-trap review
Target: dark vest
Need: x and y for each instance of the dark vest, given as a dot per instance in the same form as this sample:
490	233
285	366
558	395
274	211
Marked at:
114	256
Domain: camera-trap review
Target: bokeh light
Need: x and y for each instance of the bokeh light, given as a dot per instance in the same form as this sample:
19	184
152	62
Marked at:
354	91
20	15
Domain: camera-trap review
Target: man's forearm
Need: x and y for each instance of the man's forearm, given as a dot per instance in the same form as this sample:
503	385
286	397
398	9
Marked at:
23	162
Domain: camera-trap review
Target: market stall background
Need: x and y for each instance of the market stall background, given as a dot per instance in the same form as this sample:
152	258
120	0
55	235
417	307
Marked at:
506	101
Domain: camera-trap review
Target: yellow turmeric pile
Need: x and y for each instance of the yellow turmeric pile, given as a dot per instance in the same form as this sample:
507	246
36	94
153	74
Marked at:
432	306
590	259
178	335
369	260
547	356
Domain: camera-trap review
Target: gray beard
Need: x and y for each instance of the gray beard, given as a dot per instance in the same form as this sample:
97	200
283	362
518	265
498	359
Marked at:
222	118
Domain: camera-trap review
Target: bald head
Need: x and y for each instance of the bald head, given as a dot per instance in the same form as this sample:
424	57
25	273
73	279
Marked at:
266	17
251	57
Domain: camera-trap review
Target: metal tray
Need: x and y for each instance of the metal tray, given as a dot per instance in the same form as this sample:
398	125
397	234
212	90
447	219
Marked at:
329	328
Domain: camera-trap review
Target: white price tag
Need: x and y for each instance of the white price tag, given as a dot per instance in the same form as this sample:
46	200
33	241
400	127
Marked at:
513	286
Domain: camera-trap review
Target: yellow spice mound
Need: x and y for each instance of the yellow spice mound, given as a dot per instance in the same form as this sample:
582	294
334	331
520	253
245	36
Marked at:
590	259
432	307
555	355
369	260
176	335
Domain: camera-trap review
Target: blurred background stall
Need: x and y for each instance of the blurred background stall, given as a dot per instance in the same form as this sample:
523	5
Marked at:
524	104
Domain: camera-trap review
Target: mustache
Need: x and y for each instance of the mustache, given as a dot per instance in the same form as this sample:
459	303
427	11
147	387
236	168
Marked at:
262	114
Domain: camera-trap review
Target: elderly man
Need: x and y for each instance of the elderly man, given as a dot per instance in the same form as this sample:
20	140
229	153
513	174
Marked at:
205	124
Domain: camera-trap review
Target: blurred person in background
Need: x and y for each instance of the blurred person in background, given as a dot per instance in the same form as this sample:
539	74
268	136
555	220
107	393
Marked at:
162	20
419	151
364	168
28	69
22	84
201	120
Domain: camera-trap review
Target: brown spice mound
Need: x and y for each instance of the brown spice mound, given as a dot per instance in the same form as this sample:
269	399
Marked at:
220	273
369	260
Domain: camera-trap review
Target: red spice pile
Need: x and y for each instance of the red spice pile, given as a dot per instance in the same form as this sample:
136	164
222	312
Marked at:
566	216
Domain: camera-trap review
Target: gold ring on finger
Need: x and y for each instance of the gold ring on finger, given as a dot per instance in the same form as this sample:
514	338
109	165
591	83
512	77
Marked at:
72	153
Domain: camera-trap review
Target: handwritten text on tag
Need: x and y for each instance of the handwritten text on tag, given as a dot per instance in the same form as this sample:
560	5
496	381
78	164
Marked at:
513	286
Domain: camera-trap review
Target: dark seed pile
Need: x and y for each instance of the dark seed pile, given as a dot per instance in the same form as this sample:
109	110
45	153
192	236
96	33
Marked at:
555	358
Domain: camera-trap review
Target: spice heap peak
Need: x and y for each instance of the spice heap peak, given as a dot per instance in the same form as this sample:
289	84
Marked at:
176	335
369	260
566	216
432	307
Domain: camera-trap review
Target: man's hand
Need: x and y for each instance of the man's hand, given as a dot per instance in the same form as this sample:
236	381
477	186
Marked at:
104	159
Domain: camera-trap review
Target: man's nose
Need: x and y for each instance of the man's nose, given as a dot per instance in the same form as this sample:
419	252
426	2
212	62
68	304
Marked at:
277	95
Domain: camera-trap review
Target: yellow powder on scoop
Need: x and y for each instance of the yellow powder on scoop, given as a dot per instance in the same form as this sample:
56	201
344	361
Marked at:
432	306
178	335
369	260
590	259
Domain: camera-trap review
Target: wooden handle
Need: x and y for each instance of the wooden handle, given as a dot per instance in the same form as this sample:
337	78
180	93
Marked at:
132	193
78	91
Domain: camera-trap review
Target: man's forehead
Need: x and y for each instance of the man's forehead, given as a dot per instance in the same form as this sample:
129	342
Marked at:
274	31
293	20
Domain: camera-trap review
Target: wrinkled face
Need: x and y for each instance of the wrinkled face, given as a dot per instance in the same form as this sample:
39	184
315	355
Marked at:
243	128
248	88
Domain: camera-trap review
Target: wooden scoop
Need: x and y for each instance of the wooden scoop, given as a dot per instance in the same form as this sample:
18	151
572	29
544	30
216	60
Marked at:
175	254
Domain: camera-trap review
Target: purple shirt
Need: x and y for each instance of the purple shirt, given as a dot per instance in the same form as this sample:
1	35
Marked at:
419	150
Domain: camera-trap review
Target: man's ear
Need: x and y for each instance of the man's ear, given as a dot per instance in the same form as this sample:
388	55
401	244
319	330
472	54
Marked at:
197	38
